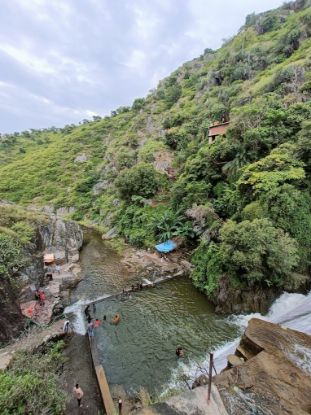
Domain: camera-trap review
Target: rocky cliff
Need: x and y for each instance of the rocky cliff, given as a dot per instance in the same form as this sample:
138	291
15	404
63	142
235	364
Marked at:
271	372
63	238
49	234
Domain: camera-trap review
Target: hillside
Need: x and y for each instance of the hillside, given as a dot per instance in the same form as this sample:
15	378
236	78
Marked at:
242	203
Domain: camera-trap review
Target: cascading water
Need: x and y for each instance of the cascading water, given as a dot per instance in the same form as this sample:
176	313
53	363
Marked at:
290	310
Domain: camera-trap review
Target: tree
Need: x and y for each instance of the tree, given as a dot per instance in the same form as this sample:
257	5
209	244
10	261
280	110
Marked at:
140	180
255	251
279	167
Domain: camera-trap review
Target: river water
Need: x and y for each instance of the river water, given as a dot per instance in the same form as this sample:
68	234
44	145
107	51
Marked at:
140	351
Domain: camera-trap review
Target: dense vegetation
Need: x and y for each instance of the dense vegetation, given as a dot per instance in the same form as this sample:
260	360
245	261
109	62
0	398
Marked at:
242	203
17	234
30	385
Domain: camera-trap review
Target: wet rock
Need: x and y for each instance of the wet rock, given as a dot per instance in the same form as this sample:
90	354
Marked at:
245	300
275	379
112	233
58	309
200	381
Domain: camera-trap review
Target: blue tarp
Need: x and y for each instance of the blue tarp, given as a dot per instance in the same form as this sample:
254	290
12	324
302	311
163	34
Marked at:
166	246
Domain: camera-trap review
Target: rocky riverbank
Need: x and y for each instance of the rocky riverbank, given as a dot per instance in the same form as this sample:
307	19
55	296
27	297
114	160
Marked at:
62	239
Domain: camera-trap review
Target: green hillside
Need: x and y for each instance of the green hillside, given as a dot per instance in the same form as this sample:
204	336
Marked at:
241	203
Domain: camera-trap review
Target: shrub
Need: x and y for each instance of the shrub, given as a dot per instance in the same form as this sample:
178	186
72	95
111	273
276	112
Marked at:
11	255
256	251
140	180
30	386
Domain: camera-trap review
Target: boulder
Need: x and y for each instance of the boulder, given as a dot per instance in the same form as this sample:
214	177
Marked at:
200	381
276	378
65	211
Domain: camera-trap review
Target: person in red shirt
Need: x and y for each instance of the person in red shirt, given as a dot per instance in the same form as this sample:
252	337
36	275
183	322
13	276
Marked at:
42	298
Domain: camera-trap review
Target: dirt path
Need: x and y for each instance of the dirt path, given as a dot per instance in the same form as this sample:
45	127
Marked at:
78	369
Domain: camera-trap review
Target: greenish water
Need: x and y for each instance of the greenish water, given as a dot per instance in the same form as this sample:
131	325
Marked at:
140	351
102	270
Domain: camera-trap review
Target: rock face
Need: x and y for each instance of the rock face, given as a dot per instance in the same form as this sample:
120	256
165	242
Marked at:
11	318
276	376
228	300
63	238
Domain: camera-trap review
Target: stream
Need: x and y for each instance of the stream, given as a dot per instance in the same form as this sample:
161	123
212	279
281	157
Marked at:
140	351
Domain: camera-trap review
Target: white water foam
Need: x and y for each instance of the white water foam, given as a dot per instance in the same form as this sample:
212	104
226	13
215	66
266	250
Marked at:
290	310
301	357
77	311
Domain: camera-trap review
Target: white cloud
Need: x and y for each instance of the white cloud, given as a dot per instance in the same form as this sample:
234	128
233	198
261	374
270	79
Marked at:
146	23
137	61
64	60
26	58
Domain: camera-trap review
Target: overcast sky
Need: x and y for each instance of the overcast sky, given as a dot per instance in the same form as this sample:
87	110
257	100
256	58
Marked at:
65	60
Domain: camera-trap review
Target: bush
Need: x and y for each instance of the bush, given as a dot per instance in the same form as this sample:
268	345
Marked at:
207	263
30	386
256	251
11	255
140	180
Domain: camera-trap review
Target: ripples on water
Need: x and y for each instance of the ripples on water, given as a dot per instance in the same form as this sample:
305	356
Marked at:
140	351
102	270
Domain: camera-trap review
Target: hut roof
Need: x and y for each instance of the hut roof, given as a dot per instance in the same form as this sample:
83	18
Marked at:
48	258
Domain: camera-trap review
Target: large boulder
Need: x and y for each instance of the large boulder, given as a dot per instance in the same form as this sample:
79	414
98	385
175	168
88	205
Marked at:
62	237
276	376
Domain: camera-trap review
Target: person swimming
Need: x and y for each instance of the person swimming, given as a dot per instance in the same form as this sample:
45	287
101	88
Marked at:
180	352
116	320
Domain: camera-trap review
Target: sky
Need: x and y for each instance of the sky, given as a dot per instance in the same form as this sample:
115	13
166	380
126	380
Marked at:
62	61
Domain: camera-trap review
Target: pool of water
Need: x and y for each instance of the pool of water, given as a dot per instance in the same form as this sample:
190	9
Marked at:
140	351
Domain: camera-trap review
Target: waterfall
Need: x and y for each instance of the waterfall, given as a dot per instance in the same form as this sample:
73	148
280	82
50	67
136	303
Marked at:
76	310
290	310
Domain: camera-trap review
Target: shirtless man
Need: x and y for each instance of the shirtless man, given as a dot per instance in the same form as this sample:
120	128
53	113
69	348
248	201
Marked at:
78	394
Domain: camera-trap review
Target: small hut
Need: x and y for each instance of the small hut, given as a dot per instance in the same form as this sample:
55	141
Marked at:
48	259
217	129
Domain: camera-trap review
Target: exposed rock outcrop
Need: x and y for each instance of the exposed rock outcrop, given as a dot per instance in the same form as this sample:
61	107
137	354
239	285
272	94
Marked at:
247	300
63	238
11	318
276	376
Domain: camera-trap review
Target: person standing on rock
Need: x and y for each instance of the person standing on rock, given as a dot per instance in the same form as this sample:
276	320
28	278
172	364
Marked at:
78	394
120	405
42	298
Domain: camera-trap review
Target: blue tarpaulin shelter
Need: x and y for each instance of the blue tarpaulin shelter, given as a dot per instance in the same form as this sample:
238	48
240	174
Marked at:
166	247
